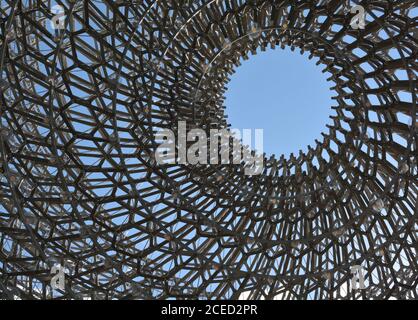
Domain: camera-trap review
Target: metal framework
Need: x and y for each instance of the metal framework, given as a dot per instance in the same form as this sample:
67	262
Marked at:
80	106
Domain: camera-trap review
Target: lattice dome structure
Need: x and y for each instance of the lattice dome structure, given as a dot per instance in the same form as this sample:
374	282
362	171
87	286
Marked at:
85	86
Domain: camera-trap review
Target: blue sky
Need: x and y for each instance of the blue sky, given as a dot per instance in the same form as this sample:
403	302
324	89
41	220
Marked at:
284	93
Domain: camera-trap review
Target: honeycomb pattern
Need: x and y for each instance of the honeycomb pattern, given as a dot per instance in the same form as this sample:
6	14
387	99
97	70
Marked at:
82	99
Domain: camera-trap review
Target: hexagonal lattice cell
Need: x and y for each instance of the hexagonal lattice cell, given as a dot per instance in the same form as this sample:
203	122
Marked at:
84	87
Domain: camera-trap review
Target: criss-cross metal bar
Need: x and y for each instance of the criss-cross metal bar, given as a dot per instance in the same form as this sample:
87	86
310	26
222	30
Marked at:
85	85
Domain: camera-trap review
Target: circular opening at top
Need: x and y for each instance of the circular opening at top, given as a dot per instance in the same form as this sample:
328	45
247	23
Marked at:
285	94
